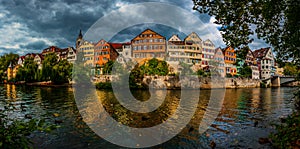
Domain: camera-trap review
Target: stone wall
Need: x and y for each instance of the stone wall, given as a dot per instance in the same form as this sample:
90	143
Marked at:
172	82
292	84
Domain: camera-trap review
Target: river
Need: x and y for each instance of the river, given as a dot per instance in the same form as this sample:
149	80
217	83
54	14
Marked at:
246	115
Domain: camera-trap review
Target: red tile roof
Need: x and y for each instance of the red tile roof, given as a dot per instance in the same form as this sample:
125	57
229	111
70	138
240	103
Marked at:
260	53
116	45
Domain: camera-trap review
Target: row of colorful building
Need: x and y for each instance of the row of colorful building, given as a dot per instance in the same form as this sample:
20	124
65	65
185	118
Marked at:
191	50
62	54
150	44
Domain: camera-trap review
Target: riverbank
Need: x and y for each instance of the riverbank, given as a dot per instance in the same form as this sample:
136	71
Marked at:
48	84
173	82
169	82
40	84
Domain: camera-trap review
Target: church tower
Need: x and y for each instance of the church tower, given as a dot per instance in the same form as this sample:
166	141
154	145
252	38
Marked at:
79	39
10	72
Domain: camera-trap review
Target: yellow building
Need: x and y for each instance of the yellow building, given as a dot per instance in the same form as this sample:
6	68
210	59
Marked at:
12	71
87	48
193	47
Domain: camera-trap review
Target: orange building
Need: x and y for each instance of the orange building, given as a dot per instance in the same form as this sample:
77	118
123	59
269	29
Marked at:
148	44
104	52
230	60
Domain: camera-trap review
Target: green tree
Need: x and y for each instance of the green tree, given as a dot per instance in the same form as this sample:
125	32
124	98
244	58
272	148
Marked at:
81	74
107	68
113	66
242	53
290	69
136	77
50	60
277	22
246	71
61	72
155	67
56	71
28	71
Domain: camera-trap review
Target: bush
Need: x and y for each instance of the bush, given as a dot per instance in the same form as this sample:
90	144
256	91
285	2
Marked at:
103	85
287	135
14	134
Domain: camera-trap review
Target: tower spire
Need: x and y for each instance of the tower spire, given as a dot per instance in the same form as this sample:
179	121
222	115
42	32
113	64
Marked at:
80	34
79	39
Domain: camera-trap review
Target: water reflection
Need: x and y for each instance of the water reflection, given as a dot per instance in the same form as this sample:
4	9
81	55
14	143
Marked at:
245	116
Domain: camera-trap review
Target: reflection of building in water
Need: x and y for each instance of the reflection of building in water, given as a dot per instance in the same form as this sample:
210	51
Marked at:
277	96
11	91
256	100
267	100
230	102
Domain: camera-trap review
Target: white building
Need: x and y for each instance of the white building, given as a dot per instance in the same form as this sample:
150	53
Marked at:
265	61
71	57
208	52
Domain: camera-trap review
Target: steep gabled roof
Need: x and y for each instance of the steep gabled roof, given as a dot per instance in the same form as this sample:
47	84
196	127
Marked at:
127	43
41	56
219	48
22	58
191	34
30	55
148	29
175	36
260	53
224	50
99	42
117	45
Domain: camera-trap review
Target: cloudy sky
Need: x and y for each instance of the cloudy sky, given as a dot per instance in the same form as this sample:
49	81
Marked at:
32	25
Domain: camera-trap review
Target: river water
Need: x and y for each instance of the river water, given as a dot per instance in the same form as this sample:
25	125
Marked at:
246	115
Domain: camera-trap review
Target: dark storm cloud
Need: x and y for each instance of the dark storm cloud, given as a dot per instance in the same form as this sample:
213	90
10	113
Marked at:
58	21
132	32
38	45
56	18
